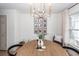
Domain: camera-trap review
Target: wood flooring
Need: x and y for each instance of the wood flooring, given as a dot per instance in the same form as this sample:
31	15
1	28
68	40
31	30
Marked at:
3	53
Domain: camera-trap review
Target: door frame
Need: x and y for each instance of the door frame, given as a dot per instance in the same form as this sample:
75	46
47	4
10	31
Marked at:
5	32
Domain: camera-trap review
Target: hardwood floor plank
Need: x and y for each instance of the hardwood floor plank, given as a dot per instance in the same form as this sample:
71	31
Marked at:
3	53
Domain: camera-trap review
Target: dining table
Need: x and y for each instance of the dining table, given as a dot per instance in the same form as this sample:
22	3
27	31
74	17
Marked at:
52	49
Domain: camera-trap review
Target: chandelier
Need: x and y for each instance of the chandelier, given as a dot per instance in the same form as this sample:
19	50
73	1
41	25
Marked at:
41	9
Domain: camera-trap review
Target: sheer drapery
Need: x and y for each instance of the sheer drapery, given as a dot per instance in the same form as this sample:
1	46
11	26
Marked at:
65	18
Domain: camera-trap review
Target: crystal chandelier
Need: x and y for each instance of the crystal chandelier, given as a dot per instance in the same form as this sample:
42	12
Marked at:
40	9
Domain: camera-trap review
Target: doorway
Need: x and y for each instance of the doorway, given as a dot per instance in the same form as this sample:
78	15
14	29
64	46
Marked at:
3	32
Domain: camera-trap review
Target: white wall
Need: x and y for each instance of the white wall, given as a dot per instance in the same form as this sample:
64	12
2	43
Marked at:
10	25
25	28
54	25
20	26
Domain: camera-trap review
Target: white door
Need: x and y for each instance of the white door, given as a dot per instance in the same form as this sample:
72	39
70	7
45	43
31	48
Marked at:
3	32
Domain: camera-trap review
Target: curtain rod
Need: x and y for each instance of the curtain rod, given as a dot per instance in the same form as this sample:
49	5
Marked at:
73	5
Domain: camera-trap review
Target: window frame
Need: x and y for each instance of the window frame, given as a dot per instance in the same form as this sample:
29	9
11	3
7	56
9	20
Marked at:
71	29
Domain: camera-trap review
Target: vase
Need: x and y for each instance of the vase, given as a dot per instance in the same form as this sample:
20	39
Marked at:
40	43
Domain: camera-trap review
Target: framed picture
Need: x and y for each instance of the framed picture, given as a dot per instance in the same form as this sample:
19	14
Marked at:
40	25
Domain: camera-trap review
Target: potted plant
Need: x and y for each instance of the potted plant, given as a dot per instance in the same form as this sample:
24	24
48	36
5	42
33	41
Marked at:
41	36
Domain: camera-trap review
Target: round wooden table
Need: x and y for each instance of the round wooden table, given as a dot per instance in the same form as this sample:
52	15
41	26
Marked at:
52	49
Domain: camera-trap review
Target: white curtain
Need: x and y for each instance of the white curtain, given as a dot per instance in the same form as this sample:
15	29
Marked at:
65	17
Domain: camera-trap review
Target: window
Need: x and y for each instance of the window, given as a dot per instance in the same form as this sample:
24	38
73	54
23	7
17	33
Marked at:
74	27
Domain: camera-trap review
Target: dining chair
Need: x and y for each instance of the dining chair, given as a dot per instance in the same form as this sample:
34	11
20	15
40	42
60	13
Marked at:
58	39
15	47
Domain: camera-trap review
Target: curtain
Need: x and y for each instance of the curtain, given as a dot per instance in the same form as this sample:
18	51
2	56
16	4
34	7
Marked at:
65	18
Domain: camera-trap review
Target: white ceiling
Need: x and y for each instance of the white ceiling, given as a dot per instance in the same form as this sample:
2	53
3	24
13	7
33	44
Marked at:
24	7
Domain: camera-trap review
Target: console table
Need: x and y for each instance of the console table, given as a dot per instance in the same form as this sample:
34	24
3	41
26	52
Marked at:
52	49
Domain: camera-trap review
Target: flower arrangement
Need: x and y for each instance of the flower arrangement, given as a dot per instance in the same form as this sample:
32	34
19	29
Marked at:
41	36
